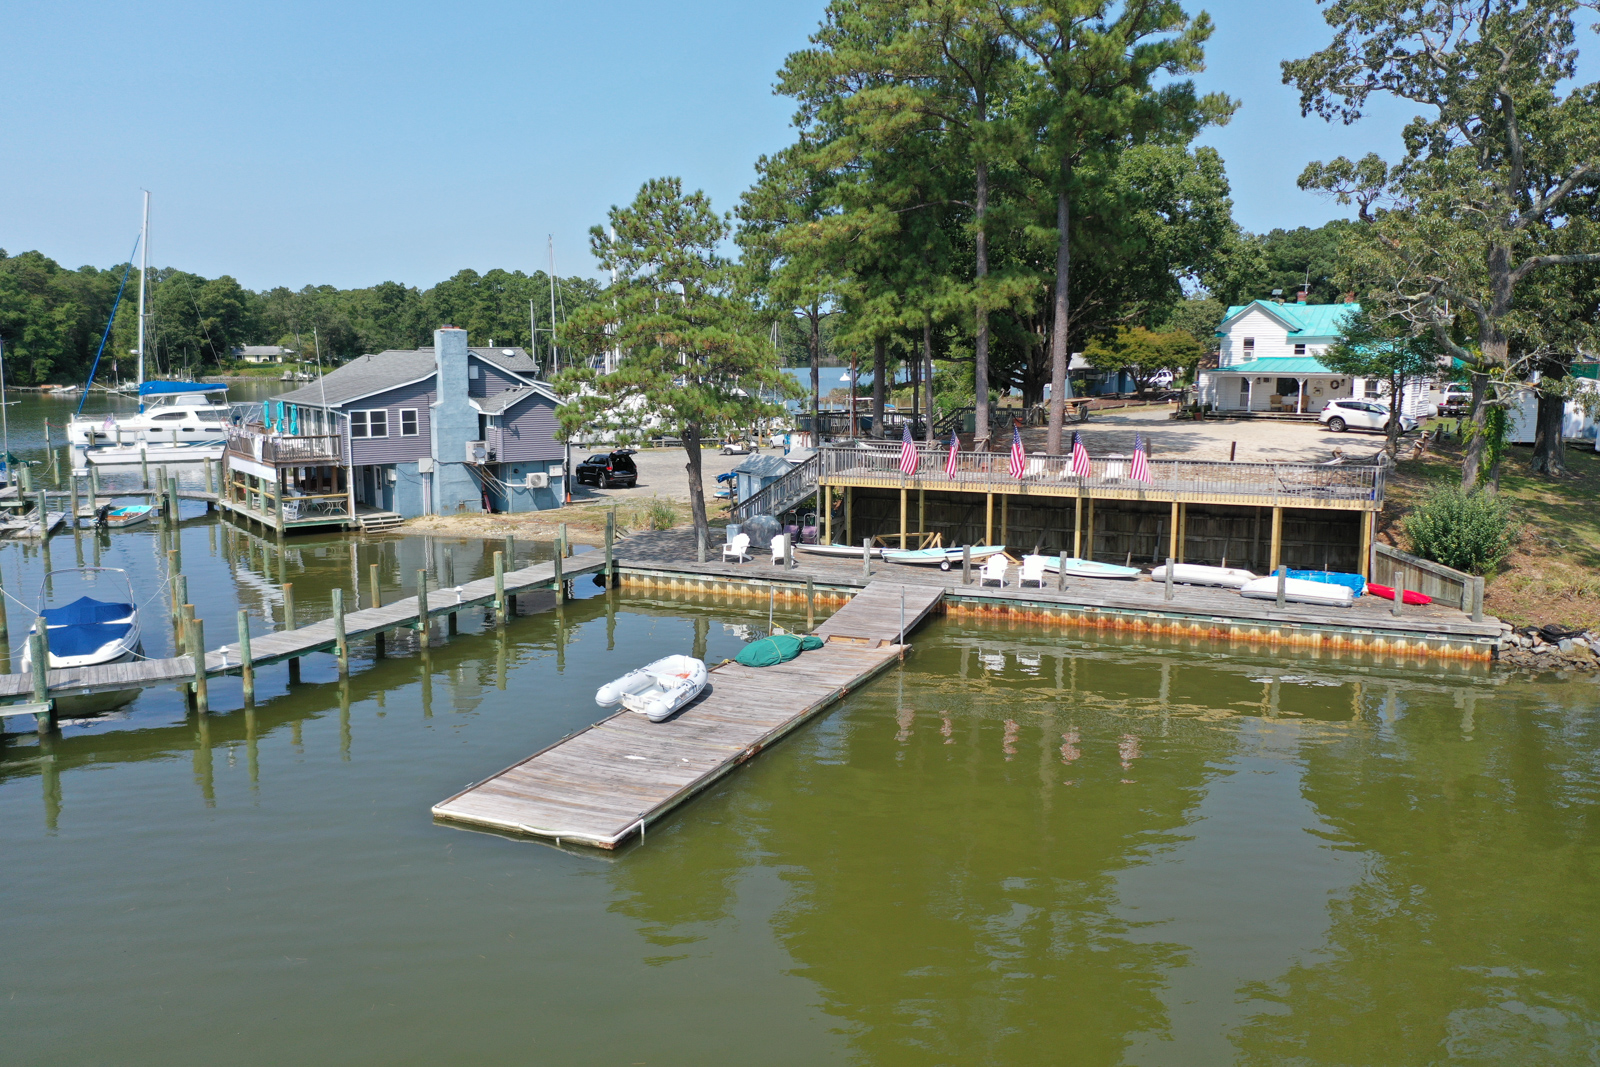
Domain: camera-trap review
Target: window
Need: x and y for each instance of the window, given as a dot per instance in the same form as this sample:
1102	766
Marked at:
369	423
1300	350
170	416
1249	348
472	371
408	422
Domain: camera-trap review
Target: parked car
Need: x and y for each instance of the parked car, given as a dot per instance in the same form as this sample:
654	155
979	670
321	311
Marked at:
608	469
1457	399
1356	413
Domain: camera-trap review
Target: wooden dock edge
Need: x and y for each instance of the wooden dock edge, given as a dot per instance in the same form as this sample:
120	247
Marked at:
890	655
1417	644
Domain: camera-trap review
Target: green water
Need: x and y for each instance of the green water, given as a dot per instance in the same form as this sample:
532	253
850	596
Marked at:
1023	847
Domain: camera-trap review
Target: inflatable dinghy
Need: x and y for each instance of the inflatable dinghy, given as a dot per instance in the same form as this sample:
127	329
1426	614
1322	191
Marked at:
656	691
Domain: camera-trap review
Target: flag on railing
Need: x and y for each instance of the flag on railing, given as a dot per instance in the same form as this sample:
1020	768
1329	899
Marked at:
1080	456
1141	460
908	451
1019	460
955	451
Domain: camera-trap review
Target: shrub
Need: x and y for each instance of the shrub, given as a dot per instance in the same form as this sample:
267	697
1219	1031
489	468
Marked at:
1465	529
661	515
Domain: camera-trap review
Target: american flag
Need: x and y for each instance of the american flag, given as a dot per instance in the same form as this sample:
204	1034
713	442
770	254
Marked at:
1141	460
955	450
1080	456
1019	460
909	459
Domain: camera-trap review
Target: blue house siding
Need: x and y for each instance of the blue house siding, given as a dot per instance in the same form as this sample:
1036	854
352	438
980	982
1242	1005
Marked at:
527	431
395	448
491	379
516	496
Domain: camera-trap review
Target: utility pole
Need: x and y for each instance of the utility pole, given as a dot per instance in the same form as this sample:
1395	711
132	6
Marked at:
554	355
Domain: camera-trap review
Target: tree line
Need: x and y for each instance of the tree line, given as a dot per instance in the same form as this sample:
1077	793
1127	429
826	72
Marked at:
53	319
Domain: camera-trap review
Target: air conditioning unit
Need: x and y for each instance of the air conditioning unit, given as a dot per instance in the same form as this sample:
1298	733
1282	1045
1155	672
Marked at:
538	480
477	452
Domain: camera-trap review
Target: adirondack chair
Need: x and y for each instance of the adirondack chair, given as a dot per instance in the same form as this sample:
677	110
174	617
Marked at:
1032	570
994	570
780	545
739	548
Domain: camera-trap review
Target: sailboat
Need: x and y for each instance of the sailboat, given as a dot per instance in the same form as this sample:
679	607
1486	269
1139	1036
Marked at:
176	420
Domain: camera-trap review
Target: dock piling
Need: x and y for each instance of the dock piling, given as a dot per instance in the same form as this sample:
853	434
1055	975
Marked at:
511	565
40	652
377	602
341	646
611	533
172	499
500	588
424	624
197	649
1399	595
561	583
811	605
788	553
144	467
450	581
247	670
866	557
288	625
94	486
1168	595
180	596
966	564
1283	585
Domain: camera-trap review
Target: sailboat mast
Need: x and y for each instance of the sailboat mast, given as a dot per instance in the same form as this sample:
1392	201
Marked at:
144	271
5	426
553	357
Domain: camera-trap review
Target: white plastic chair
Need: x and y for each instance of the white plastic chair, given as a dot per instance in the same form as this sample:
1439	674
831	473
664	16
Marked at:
1032	571
780	545
739	548
994	570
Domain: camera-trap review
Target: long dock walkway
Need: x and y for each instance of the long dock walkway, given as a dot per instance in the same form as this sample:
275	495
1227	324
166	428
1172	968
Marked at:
606	783
283	645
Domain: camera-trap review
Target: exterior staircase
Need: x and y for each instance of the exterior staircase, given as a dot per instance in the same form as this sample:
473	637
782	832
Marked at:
779	496
378	521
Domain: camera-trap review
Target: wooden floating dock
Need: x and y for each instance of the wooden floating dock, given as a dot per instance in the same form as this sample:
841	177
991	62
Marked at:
608	782
283	645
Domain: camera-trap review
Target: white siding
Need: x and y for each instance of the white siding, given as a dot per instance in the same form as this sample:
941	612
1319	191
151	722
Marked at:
1272	339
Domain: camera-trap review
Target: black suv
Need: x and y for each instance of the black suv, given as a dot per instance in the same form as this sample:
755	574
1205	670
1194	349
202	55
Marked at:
608	469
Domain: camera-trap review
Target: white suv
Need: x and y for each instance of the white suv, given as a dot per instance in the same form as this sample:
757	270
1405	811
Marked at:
1360	414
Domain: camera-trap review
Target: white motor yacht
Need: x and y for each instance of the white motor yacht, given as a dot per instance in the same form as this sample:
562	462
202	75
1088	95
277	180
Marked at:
171	413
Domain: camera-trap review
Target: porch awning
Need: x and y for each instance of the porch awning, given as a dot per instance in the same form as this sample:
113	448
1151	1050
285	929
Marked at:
1285	366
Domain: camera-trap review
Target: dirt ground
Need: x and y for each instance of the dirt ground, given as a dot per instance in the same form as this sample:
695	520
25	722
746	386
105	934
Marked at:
1250	440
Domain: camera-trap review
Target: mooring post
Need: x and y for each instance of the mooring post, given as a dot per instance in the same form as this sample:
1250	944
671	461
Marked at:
450	581
611	533
289	624
424	627
144	467
788	552
341	646
180	596
511	565
208	476
247	667
811	605
187	649
500	588
161	492
72	495
197	649
866	557
55	458
1477	602
1283	585
966	564
377	602
1399	594
94	486
561	585
172	495
40	652
566	542
1169	578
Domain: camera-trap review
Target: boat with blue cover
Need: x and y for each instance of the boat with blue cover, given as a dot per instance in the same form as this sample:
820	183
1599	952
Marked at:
97	626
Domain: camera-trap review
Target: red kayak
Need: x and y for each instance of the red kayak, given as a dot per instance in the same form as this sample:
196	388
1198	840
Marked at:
1411	597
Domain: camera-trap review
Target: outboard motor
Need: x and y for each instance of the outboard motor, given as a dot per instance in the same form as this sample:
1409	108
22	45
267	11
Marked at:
100	514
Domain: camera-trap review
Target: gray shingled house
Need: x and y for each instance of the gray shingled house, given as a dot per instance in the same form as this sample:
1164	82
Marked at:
381	438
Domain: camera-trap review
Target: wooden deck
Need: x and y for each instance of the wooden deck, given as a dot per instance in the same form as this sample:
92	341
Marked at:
283	645
608	782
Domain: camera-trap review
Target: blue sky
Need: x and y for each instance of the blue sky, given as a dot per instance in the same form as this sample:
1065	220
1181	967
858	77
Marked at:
350	143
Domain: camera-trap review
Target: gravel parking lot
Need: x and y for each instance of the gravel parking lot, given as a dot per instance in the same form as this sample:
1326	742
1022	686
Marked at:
662	473
1257	440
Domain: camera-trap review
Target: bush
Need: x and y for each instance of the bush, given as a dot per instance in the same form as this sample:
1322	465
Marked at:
1465	529
661	515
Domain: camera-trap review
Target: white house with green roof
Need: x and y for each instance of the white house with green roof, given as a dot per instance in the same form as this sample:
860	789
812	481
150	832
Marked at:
1267	358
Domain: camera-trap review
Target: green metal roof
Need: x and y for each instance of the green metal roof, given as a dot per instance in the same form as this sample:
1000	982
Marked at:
1306	320
1275	365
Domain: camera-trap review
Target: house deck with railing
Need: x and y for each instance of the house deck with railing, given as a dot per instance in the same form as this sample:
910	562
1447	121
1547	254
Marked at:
287	481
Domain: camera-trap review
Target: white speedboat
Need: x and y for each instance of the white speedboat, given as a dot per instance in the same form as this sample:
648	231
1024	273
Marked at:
1088	568
89	630
657	691
155	452
940	557
1323	594
171	413
1199	574
847	551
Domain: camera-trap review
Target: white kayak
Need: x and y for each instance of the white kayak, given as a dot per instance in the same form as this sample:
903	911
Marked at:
848	551
940	557
656	691
1199	574
1088	568
1300	591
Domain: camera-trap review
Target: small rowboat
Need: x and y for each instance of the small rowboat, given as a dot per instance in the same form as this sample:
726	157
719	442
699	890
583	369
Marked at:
1300	591
1088	568
848	551
1196	574
657	691
131	515
940	557
1411	596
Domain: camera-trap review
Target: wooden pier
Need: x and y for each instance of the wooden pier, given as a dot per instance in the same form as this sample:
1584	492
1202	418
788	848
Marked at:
604	784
